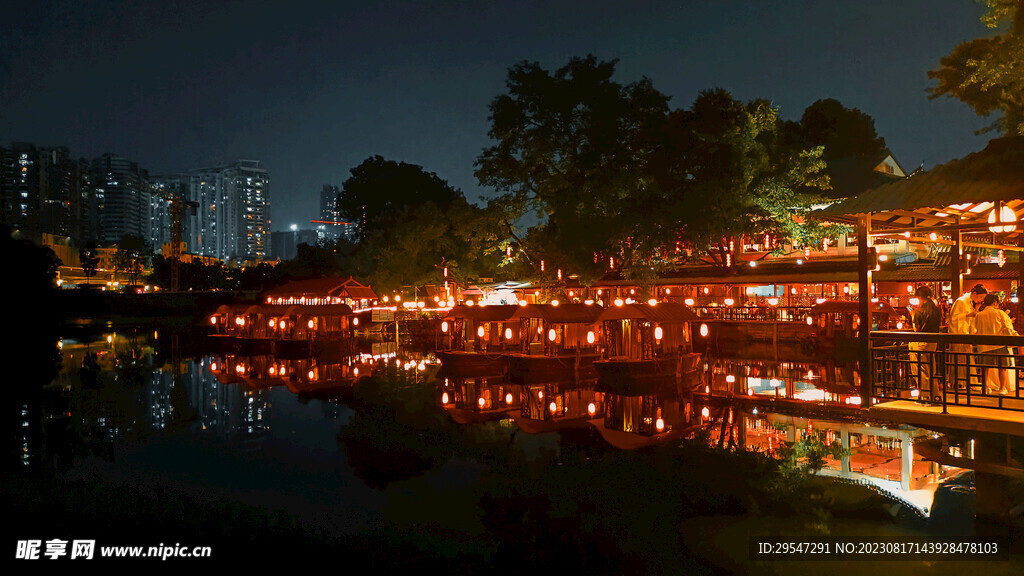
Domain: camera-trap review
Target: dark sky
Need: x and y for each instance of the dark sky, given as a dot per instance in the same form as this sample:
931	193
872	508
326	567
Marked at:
313	88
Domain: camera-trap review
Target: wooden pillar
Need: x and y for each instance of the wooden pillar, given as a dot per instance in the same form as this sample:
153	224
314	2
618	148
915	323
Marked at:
864	296
955	254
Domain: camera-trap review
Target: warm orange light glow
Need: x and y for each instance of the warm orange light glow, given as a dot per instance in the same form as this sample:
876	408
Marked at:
552	334
659	424
591	409
652	302
591	337
508	398
355	321
444	326
553	407
729	301
508	333
730	378
310	324
705	412
658	333
810	321
554	302
773	301
444	398
618	302
469	302
480	401
688	301
1006	216
213	319
704	330
480	332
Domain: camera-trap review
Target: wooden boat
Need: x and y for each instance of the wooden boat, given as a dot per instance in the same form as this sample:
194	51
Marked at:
835	327
557	343
476	340
647	348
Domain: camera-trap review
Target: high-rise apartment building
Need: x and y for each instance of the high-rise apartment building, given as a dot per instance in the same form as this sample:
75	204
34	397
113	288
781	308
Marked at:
332	224
233	218
122	197
19	184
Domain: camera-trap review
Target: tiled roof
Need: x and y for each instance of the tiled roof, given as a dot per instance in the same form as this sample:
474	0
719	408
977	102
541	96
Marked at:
993	174
561	314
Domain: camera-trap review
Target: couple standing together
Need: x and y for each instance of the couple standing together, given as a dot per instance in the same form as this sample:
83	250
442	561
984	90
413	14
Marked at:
976	312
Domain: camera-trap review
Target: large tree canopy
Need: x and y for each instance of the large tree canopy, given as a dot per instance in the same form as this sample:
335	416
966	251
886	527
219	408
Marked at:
573	145
842	131
380	187
988	73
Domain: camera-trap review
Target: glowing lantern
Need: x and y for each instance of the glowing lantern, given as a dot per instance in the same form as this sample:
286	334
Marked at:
773	301
355	321
553	407
704	330
688	301
705	412
213	319
591	337
310	324
444	326
272	323
552	334
729	301
810	321
508	333
1006	216
652	302
444	398
933	236
591	409
311	374
915	393
658	333
554	302
618	302
730	378
213	366
508	398
284	371
480	401
659	424
355	371
469	302
540	395
899	325
283	324
915	301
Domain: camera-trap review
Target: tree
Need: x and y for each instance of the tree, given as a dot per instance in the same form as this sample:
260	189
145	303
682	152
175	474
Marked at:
133	254
573	145
379	187
733	172
987	74
89	260
842	131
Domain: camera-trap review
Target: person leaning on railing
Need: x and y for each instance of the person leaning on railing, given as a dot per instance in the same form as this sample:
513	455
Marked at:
991	320
927	318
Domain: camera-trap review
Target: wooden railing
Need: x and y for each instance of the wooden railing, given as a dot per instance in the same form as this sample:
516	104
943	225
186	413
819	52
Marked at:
947	369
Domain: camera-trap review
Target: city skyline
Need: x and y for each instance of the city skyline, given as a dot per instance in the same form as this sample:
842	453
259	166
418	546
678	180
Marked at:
312	91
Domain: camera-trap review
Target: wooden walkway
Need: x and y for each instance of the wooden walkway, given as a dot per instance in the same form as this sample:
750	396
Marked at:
976	417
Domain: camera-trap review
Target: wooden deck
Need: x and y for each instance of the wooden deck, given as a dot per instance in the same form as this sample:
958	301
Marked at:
977	418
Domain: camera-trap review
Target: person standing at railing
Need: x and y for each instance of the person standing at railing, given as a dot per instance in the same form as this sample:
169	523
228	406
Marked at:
927	318
961	321
991	320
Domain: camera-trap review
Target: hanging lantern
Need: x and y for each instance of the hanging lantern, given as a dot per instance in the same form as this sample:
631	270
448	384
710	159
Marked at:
1006	217
508	333
508	398
658	333
444	326
591	337
552	334
480	332
704	330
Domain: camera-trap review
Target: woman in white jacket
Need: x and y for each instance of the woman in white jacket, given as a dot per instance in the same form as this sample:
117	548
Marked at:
991	320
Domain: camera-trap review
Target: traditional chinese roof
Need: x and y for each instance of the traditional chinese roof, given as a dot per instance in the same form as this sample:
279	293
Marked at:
663	312
323	288
967	187
561	314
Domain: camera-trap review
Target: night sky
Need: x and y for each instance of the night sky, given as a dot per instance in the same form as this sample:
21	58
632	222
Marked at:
313	88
